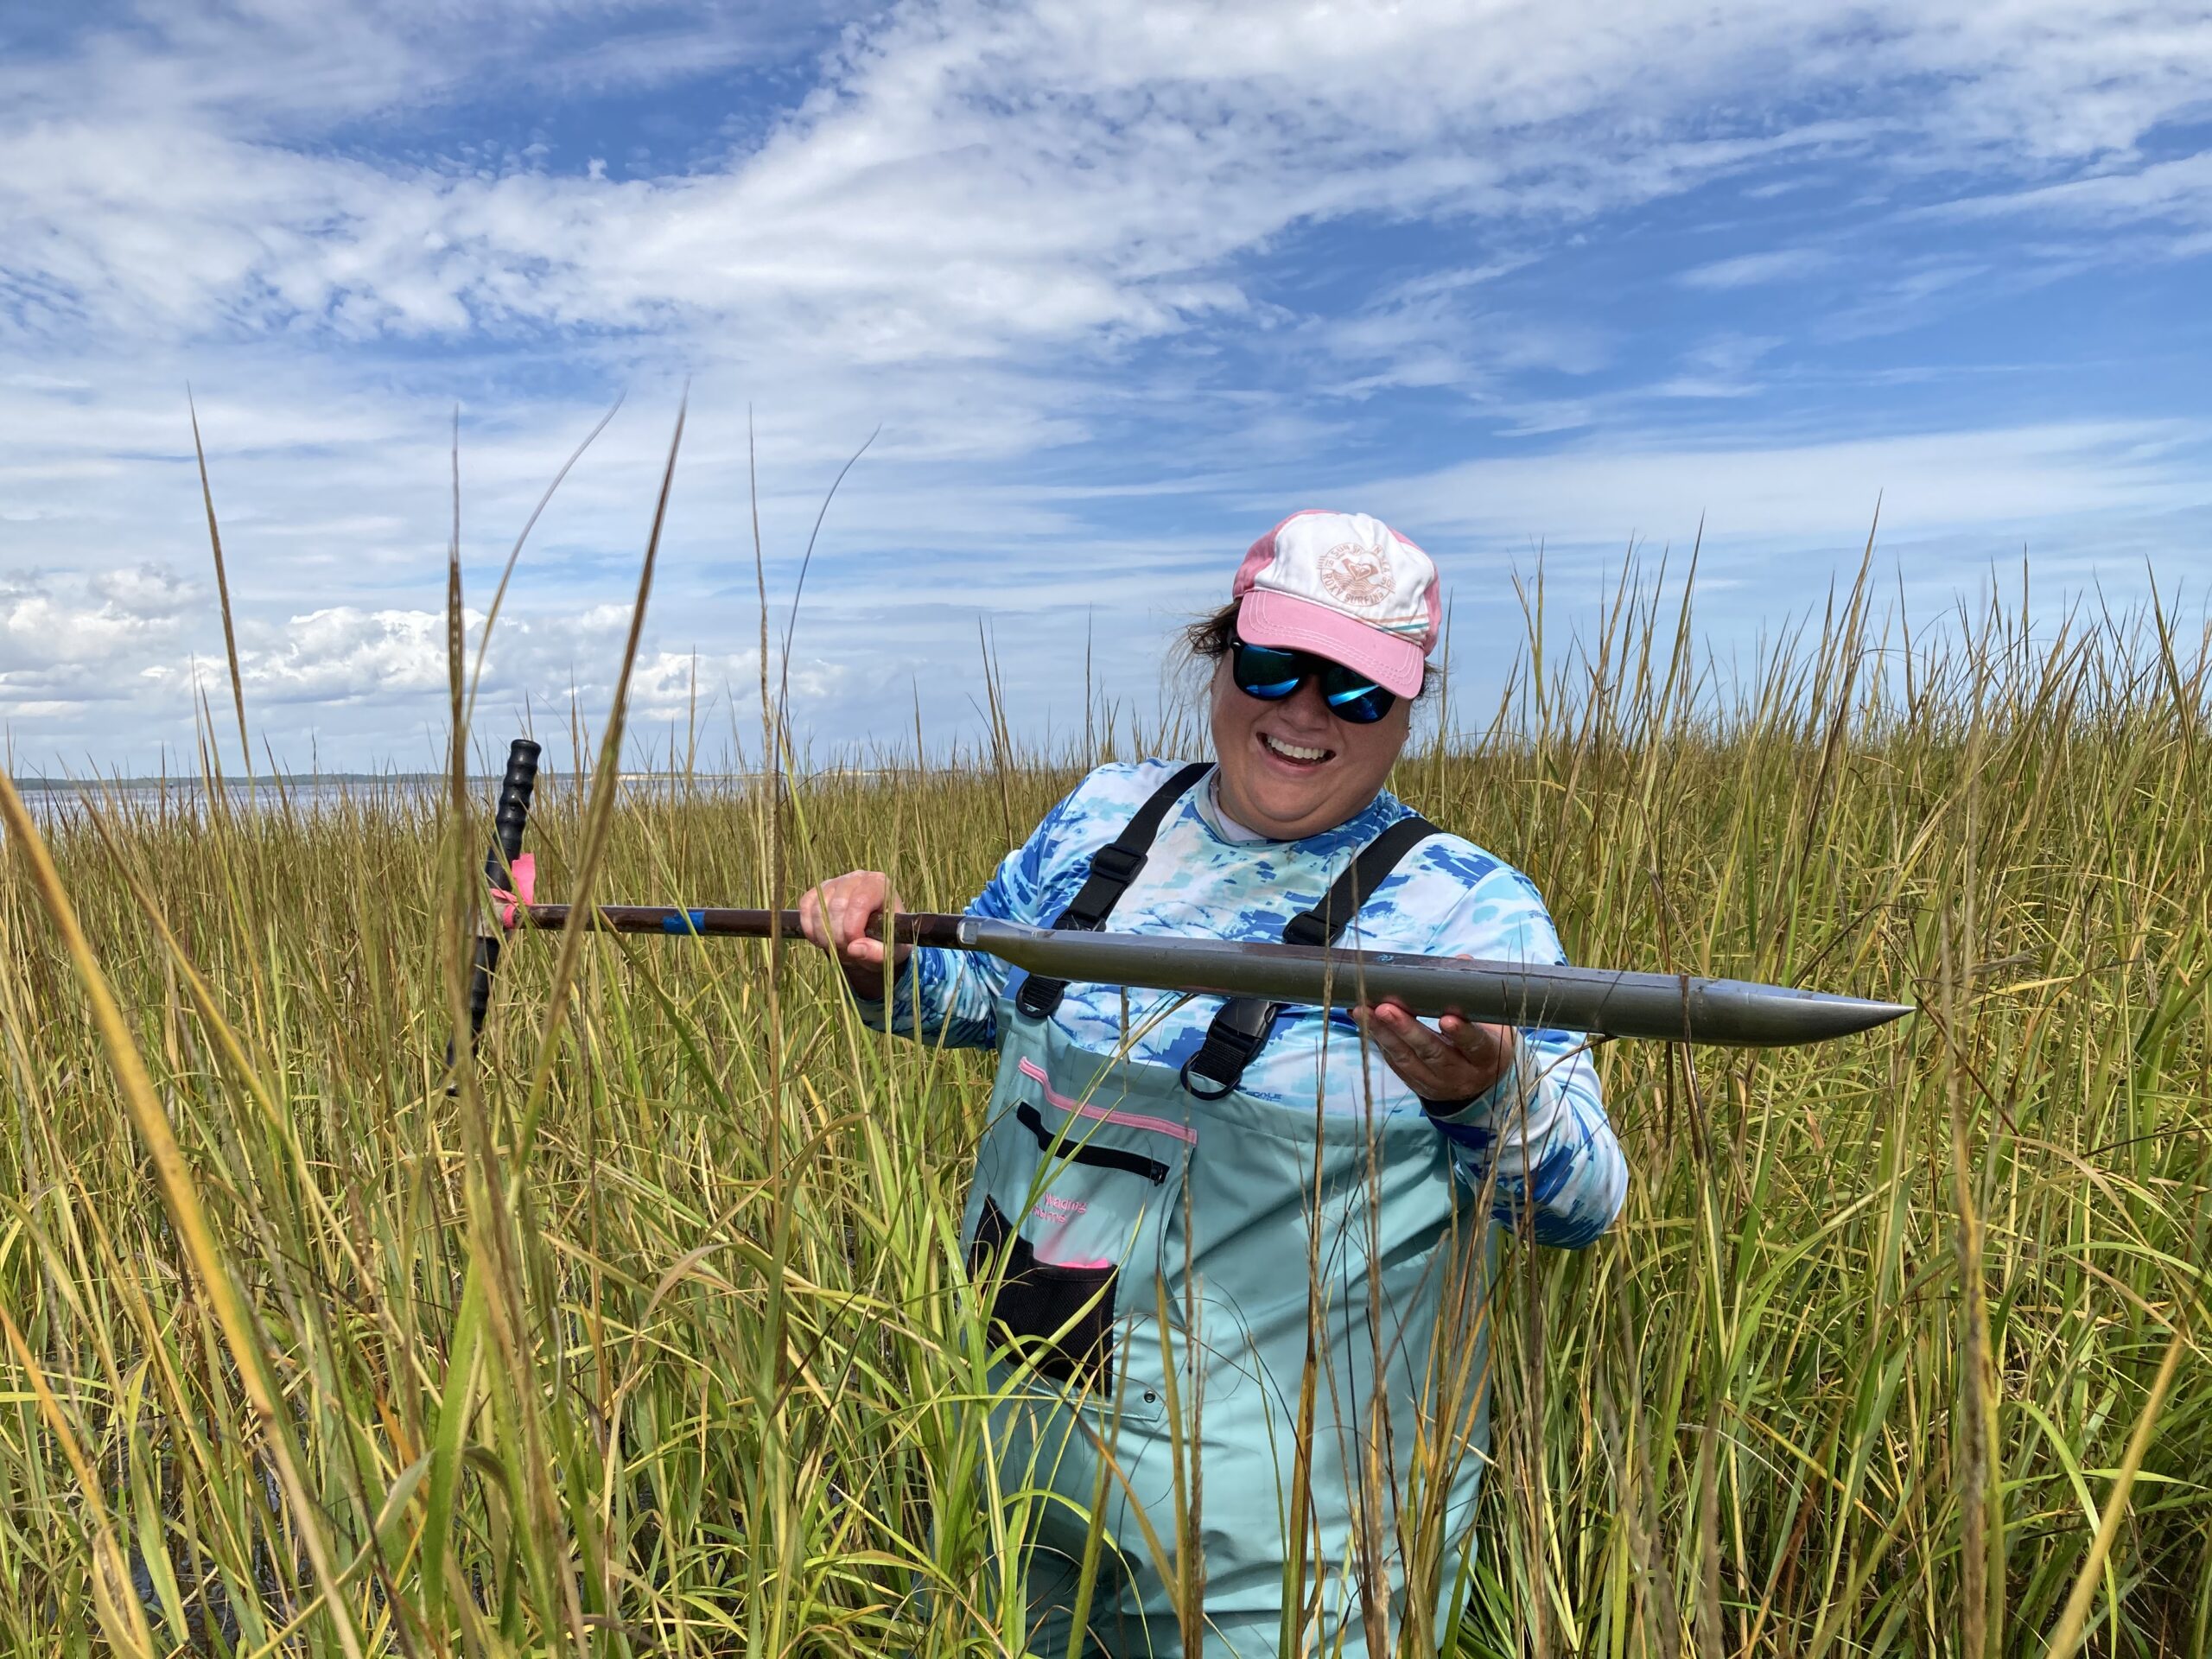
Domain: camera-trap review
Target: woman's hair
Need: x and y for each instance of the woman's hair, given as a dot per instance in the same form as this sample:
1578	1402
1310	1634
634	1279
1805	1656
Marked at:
1210	637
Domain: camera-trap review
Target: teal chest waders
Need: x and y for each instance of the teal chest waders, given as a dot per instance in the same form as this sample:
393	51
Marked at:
1283	1303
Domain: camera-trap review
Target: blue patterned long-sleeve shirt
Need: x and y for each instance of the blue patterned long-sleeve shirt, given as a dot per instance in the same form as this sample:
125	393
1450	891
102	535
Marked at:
1541	1131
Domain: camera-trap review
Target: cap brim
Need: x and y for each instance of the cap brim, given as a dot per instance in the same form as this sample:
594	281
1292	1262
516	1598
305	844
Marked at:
1271	619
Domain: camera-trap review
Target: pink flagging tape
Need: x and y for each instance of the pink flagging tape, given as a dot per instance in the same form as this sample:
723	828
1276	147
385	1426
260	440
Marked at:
1182	1131
525	869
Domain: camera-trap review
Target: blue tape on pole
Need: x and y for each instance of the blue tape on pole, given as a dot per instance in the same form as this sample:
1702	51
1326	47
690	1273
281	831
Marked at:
684	921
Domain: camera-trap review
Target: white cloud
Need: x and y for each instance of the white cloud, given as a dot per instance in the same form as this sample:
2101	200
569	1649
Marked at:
62	630
342	653
392	664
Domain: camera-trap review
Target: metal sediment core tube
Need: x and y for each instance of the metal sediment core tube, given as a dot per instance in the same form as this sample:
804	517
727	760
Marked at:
1601	1002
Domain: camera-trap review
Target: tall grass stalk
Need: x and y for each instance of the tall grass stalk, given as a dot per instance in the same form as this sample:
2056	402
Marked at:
655	1337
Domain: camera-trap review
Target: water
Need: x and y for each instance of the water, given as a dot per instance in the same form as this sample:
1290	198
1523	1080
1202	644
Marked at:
59	801
137	798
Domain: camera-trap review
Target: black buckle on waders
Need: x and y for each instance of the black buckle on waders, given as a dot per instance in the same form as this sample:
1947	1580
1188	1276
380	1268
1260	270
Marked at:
1239	1031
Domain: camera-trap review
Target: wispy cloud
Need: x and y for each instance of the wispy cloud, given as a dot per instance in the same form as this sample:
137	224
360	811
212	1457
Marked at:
1928	481
1745	269
2176	192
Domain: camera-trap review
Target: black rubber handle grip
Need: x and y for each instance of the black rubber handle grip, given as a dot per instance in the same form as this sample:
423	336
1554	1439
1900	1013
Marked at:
515	791
508	824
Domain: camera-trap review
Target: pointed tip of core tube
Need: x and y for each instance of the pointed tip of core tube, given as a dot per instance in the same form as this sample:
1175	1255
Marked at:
1853	1015
1765	1016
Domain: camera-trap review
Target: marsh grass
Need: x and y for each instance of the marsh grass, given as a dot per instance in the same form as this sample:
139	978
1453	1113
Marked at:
654	1338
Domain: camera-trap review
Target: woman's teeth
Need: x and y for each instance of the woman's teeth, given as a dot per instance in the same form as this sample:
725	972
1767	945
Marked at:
1292	751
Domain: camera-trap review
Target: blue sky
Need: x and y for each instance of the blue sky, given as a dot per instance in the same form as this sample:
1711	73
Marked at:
1116	287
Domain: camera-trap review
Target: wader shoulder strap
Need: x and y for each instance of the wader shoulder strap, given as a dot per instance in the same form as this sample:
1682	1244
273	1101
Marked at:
1113	867
1241	1029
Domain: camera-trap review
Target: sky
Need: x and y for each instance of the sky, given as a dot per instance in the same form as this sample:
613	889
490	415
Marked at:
1102	290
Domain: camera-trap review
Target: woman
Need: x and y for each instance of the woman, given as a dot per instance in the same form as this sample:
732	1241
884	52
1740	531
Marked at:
1245	1239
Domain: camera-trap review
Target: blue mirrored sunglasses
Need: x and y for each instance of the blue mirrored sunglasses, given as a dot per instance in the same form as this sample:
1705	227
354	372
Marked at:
1271	675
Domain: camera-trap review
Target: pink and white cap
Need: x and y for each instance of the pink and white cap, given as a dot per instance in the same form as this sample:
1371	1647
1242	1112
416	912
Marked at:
1345	587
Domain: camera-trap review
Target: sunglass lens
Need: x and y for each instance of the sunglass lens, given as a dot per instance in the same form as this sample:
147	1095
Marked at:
1265	673
1354	699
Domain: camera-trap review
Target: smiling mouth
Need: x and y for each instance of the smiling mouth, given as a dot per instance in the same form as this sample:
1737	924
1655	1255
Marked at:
1296	754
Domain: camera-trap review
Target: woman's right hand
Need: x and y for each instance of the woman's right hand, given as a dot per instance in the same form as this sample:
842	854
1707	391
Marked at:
844	917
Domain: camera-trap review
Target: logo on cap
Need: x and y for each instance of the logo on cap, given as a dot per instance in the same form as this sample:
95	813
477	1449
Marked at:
1355	574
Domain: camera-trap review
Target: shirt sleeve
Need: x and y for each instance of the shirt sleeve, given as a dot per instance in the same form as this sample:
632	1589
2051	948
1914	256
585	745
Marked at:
951	997
1541	1128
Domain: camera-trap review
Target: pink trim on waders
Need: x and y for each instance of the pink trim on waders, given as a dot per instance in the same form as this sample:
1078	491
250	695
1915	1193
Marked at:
1035	1073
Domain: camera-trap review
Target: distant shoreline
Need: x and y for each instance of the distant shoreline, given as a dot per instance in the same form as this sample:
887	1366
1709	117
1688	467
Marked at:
288	781
46	786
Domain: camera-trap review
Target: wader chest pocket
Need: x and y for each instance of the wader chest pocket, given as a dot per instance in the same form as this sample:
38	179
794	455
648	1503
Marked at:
1076	1195
1069	1310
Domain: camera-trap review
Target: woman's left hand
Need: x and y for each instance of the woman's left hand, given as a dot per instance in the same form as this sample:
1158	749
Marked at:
1454	1060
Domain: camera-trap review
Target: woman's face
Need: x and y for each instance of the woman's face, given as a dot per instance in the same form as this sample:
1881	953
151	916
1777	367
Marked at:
1291	769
